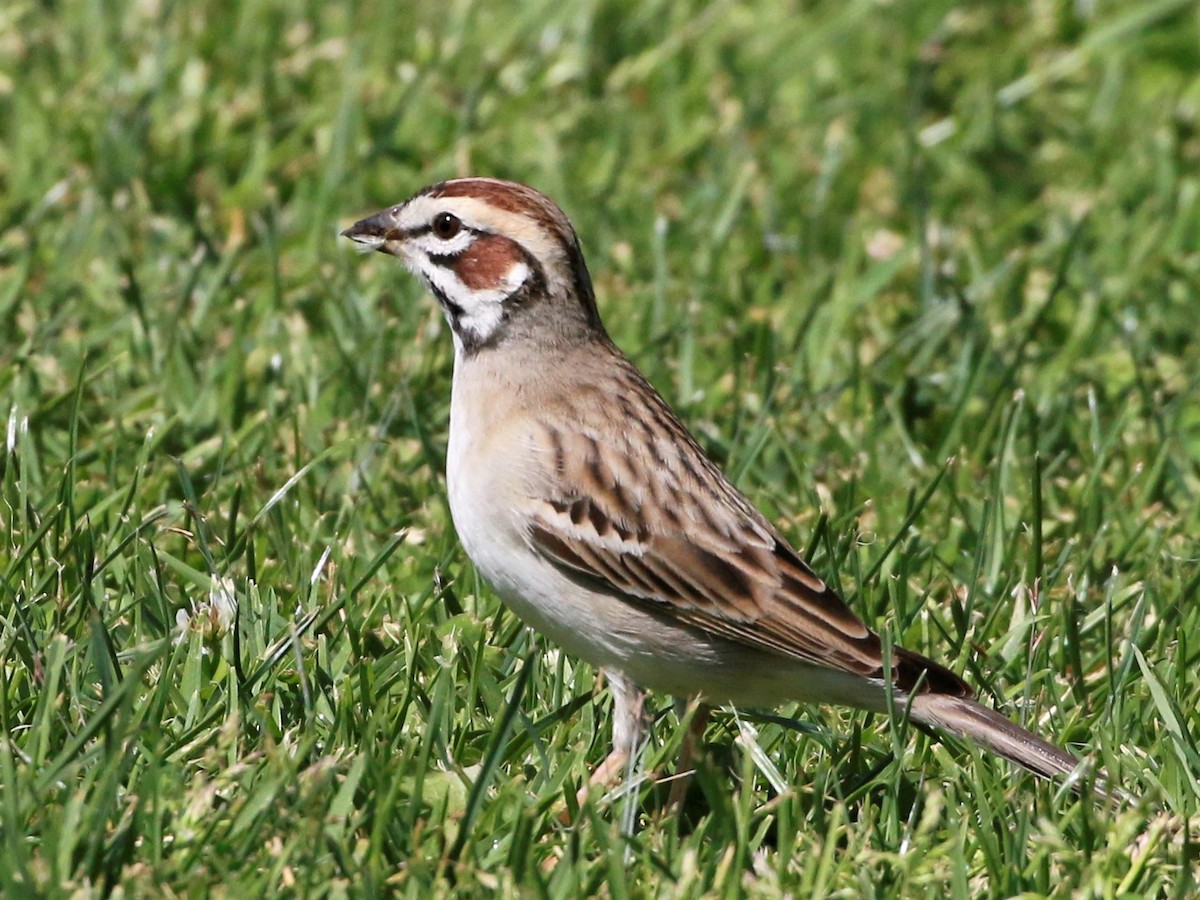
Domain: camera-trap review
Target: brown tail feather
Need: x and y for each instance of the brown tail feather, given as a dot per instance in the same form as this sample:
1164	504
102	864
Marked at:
968	719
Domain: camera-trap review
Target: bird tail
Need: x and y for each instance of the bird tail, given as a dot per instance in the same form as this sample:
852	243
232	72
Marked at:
968	719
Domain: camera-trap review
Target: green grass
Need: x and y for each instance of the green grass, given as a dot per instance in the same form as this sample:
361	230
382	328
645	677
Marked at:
923	276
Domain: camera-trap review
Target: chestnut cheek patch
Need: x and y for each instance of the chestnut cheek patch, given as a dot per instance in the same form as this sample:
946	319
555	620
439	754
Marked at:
490	263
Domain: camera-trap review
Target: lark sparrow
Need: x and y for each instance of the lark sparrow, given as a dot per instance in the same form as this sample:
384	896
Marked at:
596	516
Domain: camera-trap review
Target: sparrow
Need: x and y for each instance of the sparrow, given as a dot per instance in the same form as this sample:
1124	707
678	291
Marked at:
598	519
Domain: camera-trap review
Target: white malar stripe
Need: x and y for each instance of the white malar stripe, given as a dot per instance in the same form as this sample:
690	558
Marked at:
482	310
485	309
483	322
444	280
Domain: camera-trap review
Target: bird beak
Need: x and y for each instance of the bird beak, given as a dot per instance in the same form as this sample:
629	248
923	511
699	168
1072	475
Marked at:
374	232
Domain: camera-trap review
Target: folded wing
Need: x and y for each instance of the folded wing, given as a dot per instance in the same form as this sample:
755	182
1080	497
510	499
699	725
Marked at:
651	519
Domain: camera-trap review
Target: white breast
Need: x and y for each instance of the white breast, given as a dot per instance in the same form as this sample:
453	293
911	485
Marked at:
490	462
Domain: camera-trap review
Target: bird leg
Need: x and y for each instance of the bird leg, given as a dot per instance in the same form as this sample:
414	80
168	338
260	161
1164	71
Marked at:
629	731
687	751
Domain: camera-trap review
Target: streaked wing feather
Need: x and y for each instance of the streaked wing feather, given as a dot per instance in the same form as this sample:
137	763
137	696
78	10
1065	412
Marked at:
650	518
693	585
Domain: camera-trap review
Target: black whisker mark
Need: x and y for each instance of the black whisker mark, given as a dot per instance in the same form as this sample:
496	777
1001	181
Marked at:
452	309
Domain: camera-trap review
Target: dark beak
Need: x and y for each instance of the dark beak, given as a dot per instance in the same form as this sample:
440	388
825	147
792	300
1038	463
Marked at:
373	231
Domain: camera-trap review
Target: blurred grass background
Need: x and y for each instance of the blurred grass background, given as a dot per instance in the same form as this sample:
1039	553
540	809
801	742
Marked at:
922	276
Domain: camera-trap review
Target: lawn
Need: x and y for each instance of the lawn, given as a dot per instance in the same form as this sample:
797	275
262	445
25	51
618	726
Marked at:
923	277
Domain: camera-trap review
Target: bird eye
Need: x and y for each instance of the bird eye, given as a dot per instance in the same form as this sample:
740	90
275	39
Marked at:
446	226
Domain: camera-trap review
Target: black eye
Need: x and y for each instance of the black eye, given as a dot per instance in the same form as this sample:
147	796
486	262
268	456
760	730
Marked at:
446	226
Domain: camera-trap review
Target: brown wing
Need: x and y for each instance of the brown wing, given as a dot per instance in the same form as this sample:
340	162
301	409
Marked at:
651	518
